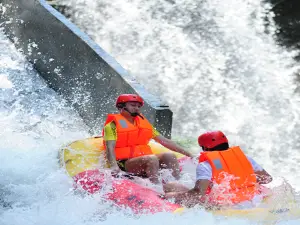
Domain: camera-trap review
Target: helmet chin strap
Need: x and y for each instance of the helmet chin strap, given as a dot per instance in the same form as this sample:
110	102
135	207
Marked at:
133	114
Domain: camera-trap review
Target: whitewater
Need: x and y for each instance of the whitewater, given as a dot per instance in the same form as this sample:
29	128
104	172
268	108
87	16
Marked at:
212	62
216	63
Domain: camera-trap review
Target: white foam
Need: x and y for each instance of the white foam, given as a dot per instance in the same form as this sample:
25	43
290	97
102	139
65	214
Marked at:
210	61
4	82
215	66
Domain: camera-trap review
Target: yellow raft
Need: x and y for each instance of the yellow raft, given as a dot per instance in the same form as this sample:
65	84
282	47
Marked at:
84	155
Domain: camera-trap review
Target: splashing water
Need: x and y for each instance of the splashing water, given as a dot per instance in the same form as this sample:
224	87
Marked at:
35	123
211	61
215	65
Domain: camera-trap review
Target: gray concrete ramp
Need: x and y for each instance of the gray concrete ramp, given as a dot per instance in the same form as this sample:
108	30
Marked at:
74	65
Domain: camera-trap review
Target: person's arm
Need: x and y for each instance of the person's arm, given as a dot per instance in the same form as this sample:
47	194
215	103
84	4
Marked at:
196	194
191	197
262	176
110	138
110	154
171	145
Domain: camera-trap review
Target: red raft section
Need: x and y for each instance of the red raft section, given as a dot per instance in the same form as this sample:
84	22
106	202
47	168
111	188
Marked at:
125	193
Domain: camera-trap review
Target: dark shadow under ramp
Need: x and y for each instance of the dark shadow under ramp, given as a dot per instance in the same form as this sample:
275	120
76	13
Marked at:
73	65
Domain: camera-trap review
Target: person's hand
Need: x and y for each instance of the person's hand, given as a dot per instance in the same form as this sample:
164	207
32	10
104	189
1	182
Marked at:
188	154
115	170
170	195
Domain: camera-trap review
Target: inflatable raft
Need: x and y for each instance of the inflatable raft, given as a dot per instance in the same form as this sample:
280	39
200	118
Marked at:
83	160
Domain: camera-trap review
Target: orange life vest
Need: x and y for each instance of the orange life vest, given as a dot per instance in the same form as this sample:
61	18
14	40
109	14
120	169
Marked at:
233	178
132	140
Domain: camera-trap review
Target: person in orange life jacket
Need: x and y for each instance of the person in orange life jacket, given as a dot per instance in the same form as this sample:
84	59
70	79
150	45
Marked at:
224	176
126	137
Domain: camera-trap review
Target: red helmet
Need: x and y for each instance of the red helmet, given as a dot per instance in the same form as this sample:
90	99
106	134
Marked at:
129	98
212	139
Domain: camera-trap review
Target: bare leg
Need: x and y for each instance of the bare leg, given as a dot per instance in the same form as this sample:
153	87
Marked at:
175	187
148	164
169	161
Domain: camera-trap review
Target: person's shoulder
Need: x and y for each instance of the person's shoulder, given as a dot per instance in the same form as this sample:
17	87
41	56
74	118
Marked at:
204	165
255	165
111	125
203	171
155	132
249	158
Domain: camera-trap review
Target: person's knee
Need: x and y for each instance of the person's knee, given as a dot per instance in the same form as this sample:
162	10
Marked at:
152	161
168	187
168	160
168	156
